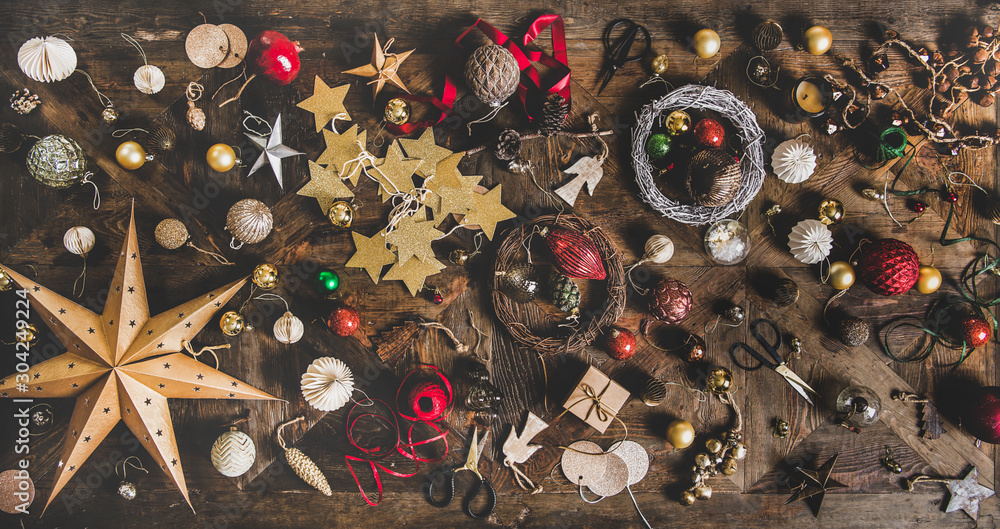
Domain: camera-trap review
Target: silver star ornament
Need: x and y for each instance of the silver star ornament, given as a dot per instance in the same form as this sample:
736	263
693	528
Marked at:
272	151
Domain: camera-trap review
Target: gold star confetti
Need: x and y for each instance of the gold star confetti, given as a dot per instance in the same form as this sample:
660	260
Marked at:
412	238
325	186
488	212
326	103
395	172
414	272
382	68
424	148
371	254
341	149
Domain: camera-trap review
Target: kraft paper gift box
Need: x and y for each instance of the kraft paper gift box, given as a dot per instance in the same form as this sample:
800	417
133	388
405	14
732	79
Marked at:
596	399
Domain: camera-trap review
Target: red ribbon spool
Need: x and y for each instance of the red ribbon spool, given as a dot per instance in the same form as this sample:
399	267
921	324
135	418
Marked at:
429	401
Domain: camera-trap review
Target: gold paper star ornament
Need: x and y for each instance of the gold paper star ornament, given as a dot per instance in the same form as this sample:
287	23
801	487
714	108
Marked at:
487	212
123	365
326	103
383	68
325	186
371	254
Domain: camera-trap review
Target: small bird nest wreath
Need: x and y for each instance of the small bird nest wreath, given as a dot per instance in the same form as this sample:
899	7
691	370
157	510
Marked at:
704	98
516	240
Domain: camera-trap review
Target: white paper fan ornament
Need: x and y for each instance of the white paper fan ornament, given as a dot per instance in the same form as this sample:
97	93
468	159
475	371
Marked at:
327	384
810	241
794	161
147	78
46	59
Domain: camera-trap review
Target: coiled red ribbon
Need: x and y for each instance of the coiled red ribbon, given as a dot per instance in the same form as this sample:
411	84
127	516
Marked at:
444	104
530	89
363	412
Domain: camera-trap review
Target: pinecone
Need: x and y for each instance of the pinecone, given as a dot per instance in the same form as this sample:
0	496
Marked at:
564	292
554	112
307	470
508	145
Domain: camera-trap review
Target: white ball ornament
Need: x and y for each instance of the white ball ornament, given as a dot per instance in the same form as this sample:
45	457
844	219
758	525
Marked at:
794	161
288	329
233	453
79	240
46	59
810	241
327	384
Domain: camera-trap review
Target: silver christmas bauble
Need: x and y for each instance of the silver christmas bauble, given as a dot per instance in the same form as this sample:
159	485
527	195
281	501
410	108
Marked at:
57	161
249	221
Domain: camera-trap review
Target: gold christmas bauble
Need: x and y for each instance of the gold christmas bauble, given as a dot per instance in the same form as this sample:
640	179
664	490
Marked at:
678	122
57	161
928	280
703	492
171	234
831	211
459	256
660	64
841	275
6	283
680	433
27	336
706	43
249	221
728	467
817	40
341	214
719	380
397	111
130	155
687	498
231	323
265	276
221	157
739	451
109	115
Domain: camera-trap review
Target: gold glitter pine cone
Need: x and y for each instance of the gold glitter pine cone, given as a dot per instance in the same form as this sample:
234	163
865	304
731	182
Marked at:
307	470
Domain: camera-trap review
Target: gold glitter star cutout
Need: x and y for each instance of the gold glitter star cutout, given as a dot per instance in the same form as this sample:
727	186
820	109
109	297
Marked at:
394	173
424	148
488	212
412	238
383	68
341	149
414	272
325	186
326	103
371	254
126	365
446	173
448	200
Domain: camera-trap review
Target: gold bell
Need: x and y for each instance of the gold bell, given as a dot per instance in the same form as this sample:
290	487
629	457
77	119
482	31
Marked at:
6	283
27	336
341	214
397	111
459	256
728	466
265	276
713	445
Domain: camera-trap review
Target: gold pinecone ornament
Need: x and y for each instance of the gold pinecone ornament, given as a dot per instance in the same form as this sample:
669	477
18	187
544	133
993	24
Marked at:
492	74
304	467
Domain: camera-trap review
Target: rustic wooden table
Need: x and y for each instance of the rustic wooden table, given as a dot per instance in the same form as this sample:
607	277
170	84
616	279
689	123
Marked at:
336	38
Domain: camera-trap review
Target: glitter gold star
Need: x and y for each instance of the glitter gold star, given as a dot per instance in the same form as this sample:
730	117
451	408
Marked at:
395	172
488	212
412	238
326	103
371	254
425	149
341	149
414	272
325	186
383	68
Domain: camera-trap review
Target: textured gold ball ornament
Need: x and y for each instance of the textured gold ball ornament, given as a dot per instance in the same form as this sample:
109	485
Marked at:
341	214
678	122
17	491
27	336
492	73
231	323
57	161
233	453
249	221
171	234
161	140
928	279
660	64
680	433
714	446
221	157
841	275
397	111
459	256
265	275
6	283
687	498
130	155
817	40
831	211
706	43
994	213
109	115
719	380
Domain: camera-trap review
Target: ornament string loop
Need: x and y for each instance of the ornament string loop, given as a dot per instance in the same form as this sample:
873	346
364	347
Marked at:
120	133
521	478
257	120
186	345
127	462
217	256
105	100
273	297
242	73
81	280
128	38
281	428
194	91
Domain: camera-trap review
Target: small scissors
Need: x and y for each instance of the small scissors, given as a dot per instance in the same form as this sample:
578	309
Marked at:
618	53
472	465
778	365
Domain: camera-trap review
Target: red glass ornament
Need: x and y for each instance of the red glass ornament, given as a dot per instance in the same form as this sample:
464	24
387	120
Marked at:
951	197
344	321
275	57
888	267
670	301
620	343
709	133
975	330
575	254
437	298
982	416
919	207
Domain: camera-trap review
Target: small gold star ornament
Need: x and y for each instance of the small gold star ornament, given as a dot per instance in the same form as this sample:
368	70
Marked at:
383	68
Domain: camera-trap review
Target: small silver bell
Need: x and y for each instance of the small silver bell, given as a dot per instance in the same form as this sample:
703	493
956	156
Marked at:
127	490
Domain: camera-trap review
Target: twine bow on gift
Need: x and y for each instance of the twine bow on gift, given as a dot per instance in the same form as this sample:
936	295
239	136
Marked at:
597	407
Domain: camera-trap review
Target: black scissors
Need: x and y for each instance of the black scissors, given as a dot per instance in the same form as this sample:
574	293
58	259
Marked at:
618	52
777	364
472	465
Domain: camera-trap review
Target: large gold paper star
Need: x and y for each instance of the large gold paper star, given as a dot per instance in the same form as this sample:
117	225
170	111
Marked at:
326	103
371	254
425	149
450	200
488	212
383	68
342	151
414	272
394	173
325	186
123	365
412	238
446	173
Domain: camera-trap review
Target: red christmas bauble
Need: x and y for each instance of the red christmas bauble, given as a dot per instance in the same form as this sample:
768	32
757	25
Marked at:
344	321
982	416
888	266
620	343
275	57
975	330
709	133
670	301
575	254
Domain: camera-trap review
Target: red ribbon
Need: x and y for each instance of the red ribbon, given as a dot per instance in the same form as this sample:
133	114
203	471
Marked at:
444	104
529	88
374	453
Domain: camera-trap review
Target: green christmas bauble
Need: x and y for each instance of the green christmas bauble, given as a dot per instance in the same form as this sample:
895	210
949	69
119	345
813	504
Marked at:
659	145
327	282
